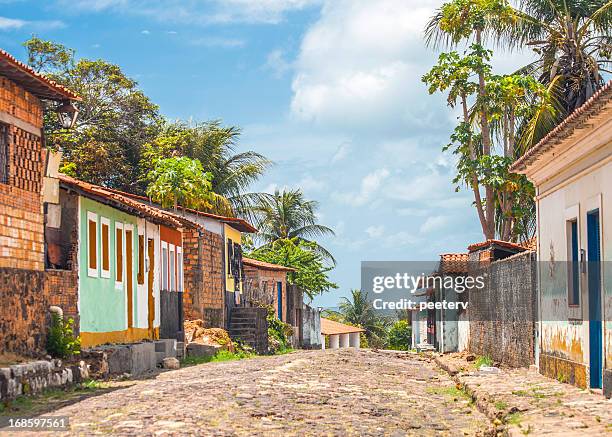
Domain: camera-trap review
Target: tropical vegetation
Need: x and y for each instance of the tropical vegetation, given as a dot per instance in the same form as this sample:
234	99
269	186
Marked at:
502	116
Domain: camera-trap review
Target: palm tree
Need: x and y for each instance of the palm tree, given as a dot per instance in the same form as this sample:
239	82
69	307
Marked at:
214	146
358	311
287	215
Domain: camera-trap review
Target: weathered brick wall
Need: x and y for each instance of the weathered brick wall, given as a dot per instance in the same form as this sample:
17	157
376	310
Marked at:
23	311
203	277
61	287
21	215
502	315
261	287
19	103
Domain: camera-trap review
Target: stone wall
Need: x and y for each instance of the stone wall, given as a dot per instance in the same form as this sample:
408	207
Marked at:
311	327
24	308
203	277
33	378
502	315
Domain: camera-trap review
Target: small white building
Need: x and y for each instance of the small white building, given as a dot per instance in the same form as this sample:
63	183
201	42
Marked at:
339	334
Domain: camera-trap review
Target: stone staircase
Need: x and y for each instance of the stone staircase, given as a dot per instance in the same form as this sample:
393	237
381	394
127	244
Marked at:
249	325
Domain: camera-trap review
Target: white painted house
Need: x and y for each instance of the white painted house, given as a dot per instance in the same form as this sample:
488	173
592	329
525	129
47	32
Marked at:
572	171
339	335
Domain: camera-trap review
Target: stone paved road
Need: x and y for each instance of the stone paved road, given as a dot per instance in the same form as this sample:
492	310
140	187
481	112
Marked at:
341	392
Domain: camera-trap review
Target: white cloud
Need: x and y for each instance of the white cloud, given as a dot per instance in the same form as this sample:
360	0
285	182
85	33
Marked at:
375	231
370	185
310	184
145	32
361	63
342	152
16	24
434	223
277	63
198	11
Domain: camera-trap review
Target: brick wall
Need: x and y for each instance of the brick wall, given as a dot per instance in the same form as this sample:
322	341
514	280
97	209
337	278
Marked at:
23	311
62	288
261	287
21	215
16	101
502	315
203	277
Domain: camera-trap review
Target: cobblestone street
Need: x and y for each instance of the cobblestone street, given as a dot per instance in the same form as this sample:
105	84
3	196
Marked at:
342	392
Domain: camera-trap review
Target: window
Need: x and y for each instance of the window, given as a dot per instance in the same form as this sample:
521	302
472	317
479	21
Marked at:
573	263
92	244
179	267
4	153
105	231
141	259
118	254
164	284
172	269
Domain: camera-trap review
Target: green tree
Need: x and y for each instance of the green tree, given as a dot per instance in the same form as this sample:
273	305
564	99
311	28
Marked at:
400	336
114	114
215	147
573	43
287	214
179	181
358	311
495	110
311	275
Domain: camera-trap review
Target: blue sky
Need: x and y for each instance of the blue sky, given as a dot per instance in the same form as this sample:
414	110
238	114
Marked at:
328	89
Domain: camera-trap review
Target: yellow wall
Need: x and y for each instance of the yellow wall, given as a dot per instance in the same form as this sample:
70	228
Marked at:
236	237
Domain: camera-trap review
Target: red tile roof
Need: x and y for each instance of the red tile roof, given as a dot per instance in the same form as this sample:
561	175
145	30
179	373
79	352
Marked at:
329	327
235	222
531	244
36	83
266	266
454	262
126	203
576	120
506	244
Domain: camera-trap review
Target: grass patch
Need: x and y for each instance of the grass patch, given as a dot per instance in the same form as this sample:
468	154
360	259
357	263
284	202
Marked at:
483	361
50	399
501	405
513	419
220	356
284	351
451	391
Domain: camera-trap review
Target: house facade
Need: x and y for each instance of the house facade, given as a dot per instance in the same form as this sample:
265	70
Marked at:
23	301
339	336
114	265
572	171
266	283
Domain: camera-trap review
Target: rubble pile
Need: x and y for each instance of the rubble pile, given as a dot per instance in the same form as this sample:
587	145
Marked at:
195	332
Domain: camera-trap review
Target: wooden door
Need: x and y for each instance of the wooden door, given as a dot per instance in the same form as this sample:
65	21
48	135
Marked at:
129	259
151	271
595	319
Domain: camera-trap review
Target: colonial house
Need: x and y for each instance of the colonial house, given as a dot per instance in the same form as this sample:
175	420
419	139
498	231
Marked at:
114	264
572	170
23	301
338	335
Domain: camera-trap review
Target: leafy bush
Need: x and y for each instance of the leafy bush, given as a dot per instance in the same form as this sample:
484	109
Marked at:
278	332
61	342
400	336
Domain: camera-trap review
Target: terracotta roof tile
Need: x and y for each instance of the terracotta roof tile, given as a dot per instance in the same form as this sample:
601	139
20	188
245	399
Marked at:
567	127
329	327
531	244
125	202
36	83
454	262
506	244
266	266
238	223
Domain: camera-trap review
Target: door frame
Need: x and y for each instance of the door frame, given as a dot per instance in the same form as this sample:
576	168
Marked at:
593	208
